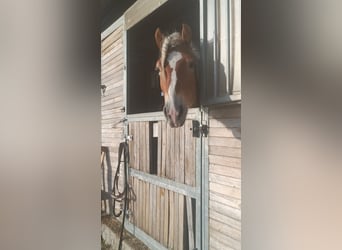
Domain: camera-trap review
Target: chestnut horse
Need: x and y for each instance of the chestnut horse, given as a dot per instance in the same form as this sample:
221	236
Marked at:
177	75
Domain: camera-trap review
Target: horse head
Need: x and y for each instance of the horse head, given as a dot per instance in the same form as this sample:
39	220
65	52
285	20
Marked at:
178	81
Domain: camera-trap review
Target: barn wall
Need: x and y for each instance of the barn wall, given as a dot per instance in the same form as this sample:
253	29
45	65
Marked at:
225	177
224	150
112	75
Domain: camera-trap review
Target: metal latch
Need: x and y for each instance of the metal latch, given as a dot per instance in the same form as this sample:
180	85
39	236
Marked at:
198	129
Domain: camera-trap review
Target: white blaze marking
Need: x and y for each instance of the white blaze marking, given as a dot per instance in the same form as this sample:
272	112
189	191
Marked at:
173	58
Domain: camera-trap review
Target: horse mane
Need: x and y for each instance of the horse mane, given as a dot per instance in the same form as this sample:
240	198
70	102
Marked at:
172	41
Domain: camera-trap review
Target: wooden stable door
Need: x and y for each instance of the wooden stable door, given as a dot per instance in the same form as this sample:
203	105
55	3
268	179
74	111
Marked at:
165	179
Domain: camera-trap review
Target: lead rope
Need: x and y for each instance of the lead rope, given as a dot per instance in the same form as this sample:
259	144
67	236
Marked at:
118	196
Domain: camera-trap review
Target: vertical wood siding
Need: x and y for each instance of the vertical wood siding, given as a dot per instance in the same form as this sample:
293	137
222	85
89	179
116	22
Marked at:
160	212
225	177
112	75
173	161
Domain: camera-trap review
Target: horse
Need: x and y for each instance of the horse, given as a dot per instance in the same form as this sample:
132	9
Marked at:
177	75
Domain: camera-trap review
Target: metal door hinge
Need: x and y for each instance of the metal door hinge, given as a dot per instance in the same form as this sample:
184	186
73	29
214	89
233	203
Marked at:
198	129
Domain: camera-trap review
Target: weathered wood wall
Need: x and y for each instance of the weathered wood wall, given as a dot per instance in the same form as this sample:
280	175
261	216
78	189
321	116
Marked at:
176	150
225	177
112	76
159	212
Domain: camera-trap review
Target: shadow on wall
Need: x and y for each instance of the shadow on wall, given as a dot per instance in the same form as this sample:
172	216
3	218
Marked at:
106	179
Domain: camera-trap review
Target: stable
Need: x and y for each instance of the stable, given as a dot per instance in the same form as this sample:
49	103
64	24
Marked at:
185	182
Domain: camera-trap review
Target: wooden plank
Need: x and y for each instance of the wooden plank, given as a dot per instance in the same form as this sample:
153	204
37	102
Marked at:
226	132
227	122
189	161
112	70
142	205
141	146
166	219
190	223
227	220
139	10
105	49
112	37
225	230
171	220
113	79
114	65
225	161
111	111
114	57
225	180
218	241
112	54
159	148
162	215
132	203
176	165
147	208
176	227
157	221
110	85
139	218
225	151
115	46
164	145
172	162
225	190
219	141
231	212
182	152
168	153
114	100
229	202
151	212
132	145
179	150
181	221
114	74
136	139
155	212
116	50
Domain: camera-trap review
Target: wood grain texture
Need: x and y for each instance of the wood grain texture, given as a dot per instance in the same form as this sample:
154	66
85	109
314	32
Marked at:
111	129
139	10
225	177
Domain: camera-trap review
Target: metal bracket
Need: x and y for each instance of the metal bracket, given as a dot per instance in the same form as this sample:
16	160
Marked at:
129	137
198	129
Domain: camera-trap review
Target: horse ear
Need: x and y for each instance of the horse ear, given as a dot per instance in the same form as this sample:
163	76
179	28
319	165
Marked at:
186	33
158	36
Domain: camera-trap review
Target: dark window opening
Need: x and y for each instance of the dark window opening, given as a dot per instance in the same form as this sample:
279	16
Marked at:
153	127
143	90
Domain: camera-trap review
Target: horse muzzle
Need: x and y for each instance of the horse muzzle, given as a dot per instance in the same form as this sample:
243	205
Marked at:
175	114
